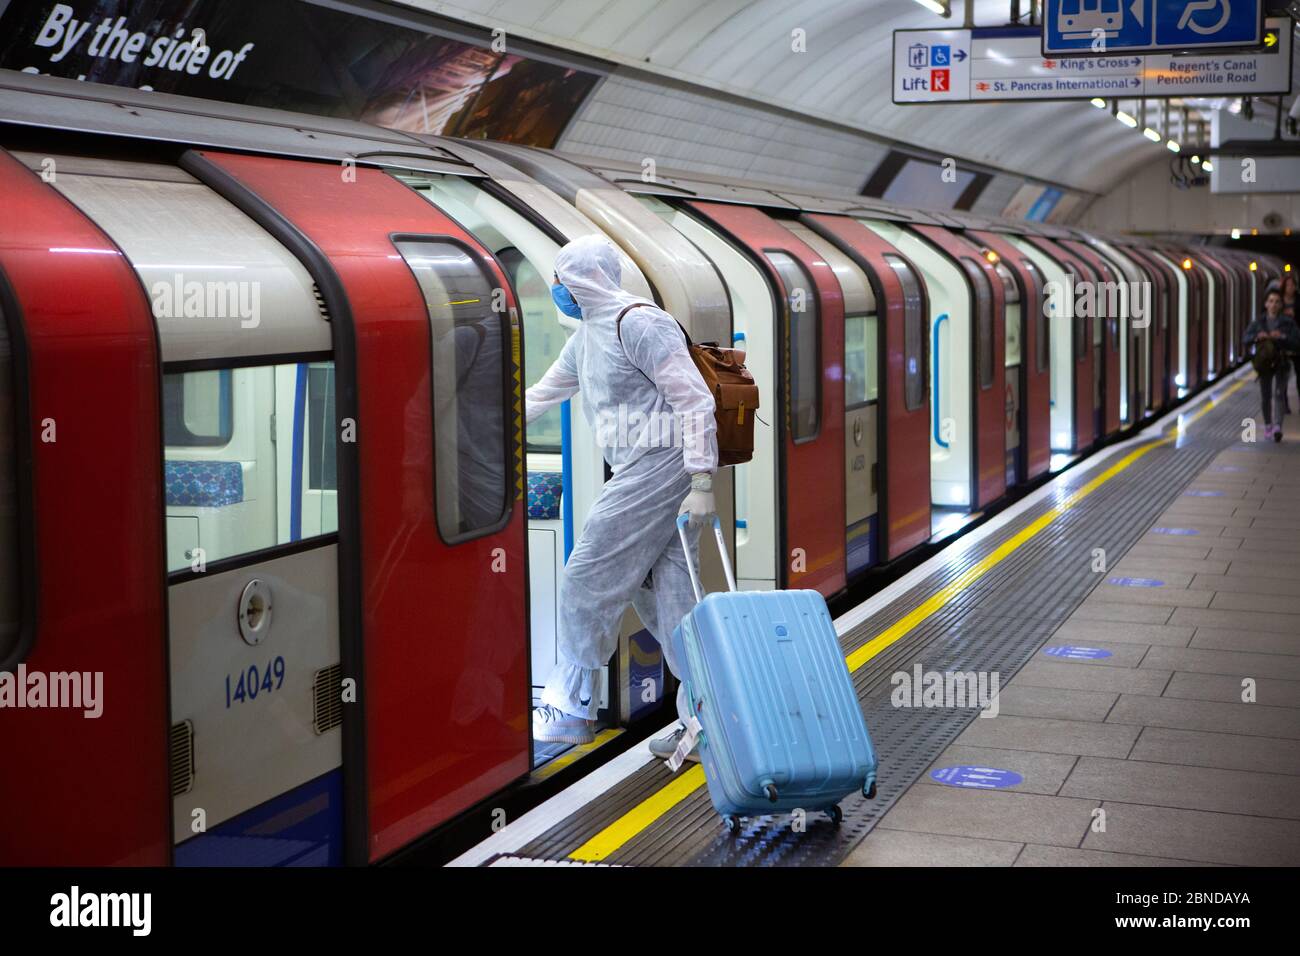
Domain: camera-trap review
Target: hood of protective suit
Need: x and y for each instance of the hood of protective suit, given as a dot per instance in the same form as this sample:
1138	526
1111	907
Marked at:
591	267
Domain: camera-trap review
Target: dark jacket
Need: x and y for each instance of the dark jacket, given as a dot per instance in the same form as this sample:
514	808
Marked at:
1290	332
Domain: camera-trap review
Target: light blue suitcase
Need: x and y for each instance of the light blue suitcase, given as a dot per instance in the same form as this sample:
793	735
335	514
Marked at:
777	719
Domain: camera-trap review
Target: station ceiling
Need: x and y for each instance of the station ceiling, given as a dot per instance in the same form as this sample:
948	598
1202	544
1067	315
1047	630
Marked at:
743	47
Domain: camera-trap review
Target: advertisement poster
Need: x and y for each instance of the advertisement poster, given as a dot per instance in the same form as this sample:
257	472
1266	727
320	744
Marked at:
294	55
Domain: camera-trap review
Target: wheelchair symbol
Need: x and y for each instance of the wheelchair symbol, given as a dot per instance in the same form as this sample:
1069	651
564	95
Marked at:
1196	6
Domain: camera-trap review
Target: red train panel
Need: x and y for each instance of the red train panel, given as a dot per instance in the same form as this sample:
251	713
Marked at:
446	693
1164	325
1036	430
812	470
989	404
905	443
95	790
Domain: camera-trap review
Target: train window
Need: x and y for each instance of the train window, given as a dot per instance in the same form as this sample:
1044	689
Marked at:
10	601
805	361
1011	292
860	371
322	436
198	409
273	479
470	346
543	340
915	381
1038	303
984	345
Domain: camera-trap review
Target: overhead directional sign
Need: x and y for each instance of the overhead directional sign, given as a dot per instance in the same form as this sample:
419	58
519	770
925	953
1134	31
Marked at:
1005	63
1099	27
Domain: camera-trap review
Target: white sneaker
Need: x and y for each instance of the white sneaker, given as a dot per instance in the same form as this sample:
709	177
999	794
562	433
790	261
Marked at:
665	747
553	726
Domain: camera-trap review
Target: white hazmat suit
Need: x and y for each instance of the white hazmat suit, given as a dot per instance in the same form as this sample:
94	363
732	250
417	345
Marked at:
652	415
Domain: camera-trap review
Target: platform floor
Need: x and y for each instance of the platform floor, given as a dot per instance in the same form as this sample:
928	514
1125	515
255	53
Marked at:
1120	704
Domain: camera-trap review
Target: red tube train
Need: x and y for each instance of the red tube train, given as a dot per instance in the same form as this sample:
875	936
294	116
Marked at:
291	352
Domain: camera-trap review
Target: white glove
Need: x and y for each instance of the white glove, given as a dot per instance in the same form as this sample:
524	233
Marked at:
699	504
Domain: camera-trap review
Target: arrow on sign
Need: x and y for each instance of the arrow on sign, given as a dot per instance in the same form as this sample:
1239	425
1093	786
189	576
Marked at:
1138	11
960	55
1270	38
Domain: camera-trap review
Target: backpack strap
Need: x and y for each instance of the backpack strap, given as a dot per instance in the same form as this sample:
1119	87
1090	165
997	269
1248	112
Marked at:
618	322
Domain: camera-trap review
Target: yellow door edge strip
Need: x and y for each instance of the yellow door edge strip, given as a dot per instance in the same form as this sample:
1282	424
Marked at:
569	756
632	823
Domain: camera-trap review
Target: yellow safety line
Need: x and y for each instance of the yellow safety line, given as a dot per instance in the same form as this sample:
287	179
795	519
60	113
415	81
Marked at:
626	827
573	753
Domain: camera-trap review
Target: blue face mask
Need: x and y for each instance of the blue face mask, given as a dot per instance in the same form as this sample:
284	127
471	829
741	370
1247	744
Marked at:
564	301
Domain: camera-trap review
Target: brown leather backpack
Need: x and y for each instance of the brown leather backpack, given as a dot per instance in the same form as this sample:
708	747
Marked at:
735	394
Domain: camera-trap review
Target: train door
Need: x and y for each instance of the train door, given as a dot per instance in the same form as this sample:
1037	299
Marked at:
1162	342
252	559
949	336
903	396
810	423
1028	358
82	579
431	489
1182	350
527	254
1084	370
861	364
1111	314
1134	328
988	398
754	328
1058	306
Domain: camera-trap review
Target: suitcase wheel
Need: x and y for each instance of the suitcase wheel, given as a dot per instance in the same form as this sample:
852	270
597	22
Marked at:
733	823
869	790
769	791
836	814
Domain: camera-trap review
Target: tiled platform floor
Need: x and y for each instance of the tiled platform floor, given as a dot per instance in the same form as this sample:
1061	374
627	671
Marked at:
1159	735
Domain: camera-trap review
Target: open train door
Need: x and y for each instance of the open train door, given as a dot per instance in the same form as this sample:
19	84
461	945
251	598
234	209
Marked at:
903	444
1084	361
1034	372
432	570
1162	339
79	391
810	399
1108	308
988	378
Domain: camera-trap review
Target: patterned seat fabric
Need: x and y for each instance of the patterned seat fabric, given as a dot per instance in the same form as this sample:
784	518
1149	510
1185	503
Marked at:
544	491
204	484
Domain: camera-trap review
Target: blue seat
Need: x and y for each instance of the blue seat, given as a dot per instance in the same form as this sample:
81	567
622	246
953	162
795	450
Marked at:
203	484
544	491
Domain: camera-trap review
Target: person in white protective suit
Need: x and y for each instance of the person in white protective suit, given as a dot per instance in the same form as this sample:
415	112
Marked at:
653	418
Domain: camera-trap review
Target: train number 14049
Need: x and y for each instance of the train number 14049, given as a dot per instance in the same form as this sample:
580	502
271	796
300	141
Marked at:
246	685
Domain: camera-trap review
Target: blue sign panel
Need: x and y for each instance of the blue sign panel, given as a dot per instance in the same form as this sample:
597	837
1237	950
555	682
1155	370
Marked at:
1137	582
1099	27
981	778
1074	653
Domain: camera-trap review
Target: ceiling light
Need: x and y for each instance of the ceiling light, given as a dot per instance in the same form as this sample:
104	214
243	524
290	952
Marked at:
1151	134
1172	146
1196	159
1207	166
1098	102
1236	233
1129	121
941	7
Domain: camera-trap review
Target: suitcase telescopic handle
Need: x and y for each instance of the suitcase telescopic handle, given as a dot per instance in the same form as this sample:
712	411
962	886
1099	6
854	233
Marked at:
683	521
